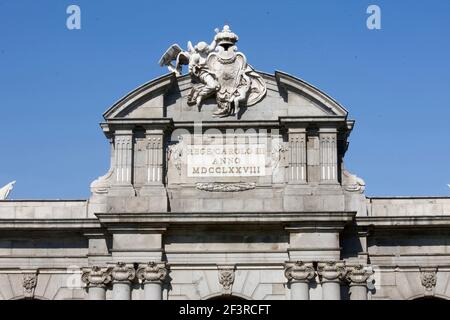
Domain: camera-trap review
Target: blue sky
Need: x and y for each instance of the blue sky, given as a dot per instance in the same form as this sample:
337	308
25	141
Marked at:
56	83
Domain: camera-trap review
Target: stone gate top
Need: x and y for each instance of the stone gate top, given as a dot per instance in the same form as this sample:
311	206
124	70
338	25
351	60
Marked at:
224	137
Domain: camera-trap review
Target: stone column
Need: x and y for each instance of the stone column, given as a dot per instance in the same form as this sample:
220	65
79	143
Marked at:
331	274
299	275
122	275
152	276
357	276
96	280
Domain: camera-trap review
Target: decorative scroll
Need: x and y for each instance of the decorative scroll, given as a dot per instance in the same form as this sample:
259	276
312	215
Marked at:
429	279
97	277
226	187
226	279
299	271
153	272
29	285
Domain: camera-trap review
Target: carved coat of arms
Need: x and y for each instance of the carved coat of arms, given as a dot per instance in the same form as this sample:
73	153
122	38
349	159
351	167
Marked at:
218	69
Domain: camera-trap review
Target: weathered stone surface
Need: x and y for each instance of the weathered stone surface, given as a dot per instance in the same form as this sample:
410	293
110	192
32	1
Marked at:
202	202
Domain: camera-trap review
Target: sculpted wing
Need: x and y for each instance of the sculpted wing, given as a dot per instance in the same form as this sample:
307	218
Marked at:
4	192
258	87
170	55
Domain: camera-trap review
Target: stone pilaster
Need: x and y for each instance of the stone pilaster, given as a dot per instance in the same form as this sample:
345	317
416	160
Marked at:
297	171
357	277
122	275
154	157
331	274
152	276
153	172
123	157
328	156
299	275
96	280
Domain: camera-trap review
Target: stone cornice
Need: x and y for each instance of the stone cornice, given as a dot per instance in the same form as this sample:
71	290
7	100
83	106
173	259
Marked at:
403	222
49	224
310	220
130	123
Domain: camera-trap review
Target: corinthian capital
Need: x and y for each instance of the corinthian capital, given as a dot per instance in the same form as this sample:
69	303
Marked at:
358	275
96	277
122	272
299	271
153	272
331	271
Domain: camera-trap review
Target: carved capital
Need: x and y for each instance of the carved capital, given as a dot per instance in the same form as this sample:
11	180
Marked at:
331	271
299	271
153	272
96	277
358	275
226	279
428	278
29	284
122	272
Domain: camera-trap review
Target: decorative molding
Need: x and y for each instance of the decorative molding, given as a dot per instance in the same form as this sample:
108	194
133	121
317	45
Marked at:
226	279
358	275
299	271
352	183
331	271
226	187
153	272
96	277
122	272
279	150
175	155
102	184
428	278
29	285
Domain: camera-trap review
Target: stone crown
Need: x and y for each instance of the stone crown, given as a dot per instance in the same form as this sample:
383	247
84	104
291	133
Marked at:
226	36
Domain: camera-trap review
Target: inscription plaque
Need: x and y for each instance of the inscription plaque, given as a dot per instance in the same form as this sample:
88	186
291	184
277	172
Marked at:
234	160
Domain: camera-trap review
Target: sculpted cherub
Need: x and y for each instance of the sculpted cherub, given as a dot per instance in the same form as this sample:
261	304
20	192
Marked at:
206	81
195	57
